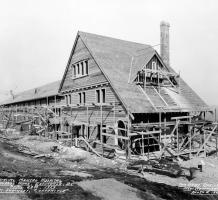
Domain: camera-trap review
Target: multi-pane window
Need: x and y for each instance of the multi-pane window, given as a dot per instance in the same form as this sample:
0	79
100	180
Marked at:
80	69
82	97
100	96
68	99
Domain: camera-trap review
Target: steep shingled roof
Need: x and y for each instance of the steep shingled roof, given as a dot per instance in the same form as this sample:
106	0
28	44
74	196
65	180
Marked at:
47	90
114	57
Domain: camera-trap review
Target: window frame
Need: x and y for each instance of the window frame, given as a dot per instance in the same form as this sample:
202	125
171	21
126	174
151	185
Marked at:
98	96
103	97
80	97
154	66
100	91
84	97
70	99
66	99
80	69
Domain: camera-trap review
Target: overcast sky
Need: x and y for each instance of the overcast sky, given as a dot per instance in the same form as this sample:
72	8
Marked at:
36	37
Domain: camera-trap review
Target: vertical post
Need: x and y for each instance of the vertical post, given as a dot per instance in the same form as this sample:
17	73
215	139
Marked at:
87	117
204	144
16	112
115	126
177	134
128	143
101	130
190	139
61	119
158	80
143	145
55	113
145	79
160	120
215	115
216	144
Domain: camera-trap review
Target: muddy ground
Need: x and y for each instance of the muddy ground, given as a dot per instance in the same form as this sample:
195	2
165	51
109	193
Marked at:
79	182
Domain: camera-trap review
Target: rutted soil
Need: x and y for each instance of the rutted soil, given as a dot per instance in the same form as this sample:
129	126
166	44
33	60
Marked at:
19	166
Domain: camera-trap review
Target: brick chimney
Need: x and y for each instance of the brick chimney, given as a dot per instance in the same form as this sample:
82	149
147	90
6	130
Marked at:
164	42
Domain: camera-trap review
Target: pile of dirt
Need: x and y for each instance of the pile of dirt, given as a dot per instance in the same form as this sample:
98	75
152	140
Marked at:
36	143
72	154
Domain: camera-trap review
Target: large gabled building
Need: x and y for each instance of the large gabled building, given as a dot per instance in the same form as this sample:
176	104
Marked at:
118	90
123	95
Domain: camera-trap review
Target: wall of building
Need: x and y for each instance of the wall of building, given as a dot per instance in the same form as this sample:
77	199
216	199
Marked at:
89	84
95	76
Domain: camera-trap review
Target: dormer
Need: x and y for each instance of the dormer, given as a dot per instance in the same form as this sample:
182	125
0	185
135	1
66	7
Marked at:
155	73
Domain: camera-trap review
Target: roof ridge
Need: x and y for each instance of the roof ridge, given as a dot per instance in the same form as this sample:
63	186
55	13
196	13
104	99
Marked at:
114	38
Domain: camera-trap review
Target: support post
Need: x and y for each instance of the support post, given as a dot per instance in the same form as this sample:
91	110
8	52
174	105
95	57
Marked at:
143	145
204	144
216	139
55	113
101	130
177	134
128	142
115	126
190	140
87	118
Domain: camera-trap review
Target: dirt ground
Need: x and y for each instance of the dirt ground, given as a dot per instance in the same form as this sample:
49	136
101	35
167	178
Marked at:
82	174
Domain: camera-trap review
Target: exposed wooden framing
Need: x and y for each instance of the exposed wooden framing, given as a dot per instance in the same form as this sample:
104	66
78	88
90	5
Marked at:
171	134
203	146
158	93
131	129
148	98
119	136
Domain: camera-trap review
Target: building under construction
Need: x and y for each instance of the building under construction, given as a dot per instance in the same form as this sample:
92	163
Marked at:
117	98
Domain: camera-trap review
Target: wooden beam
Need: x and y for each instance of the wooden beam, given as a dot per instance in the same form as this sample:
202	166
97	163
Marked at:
144	133
171	134
206	140
118	136
182	117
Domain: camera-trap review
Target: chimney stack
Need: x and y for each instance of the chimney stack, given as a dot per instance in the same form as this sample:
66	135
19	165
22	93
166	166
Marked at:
164	42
